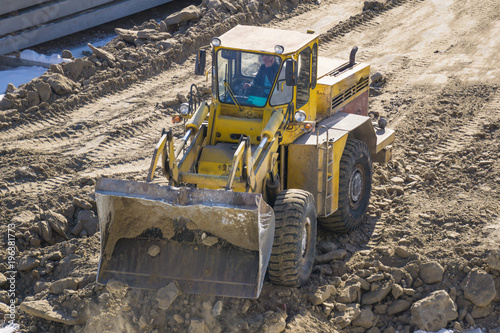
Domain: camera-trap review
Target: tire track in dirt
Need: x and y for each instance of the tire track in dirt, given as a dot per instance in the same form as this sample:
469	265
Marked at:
465	135
119	140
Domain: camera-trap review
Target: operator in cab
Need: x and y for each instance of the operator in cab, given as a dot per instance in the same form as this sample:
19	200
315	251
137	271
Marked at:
263	81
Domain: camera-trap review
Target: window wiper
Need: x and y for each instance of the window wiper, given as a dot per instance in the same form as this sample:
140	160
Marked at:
226	85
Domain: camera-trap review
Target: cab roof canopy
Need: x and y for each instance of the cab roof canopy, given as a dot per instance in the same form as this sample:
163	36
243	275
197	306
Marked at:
264	39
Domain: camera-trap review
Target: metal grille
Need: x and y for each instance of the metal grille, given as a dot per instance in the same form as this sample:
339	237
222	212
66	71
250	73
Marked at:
348	93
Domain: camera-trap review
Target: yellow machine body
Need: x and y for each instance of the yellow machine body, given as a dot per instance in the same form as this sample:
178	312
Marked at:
238	152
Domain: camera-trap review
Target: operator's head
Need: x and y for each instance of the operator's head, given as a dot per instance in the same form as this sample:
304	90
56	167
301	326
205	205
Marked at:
268	60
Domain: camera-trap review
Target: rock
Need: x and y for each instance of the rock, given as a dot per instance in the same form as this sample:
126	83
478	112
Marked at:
43	309
365	285
24	217
90	222
321	294
376	296
398	306
154	250
35	241
127	35
481	312
28	263
397	291
77	229
74	68
377	77
198	326
375	277
457	327
167	295
40	286
274	322
213	4
82	203
330	256
10	88
4	309
3	279
7	103
57	222
103	54
152	34
4	296
59	286
187	14
210	241
33	98
493	260
229	6
116	287
44	91
397	180
479	287
429	175
60	84
166	44
178	319
25	171
54	256
402	252
56	68
349	294
399	190
217	308
434	312
253	6
88	69
469	319
343	318
128	64
431	272
365	319
325	246
66	54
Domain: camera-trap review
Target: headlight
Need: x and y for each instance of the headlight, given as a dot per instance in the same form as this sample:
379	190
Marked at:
215	41
279	49
184	109
300	116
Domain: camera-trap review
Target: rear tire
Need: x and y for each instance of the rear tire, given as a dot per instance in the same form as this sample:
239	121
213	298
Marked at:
355	185
294	244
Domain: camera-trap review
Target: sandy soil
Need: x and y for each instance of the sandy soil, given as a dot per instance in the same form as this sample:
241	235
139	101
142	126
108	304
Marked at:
436	201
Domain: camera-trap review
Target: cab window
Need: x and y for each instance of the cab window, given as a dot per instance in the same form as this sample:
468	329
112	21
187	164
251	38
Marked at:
303	77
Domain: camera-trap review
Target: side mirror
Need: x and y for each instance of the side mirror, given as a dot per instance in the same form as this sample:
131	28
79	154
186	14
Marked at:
291	72
201	59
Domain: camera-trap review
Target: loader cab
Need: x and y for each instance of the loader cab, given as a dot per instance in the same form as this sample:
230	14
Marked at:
247	78
255	72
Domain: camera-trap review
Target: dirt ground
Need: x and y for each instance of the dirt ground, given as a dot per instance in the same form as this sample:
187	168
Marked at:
434	208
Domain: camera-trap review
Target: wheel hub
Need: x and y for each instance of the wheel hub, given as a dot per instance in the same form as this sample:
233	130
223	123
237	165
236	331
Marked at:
356	186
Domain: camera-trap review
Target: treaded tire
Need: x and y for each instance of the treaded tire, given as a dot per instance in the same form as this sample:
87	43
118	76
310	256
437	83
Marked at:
294	244
355	185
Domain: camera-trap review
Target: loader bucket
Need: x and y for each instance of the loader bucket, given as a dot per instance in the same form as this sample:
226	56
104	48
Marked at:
211	242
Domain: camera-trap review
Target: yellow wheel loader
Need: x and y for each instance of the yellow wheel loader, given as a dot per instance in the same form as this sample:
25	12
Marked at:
285	143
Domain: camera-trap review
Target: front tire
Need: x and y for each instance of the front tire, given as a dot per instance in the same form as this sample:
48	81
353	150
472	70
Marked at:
294	244
355	186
